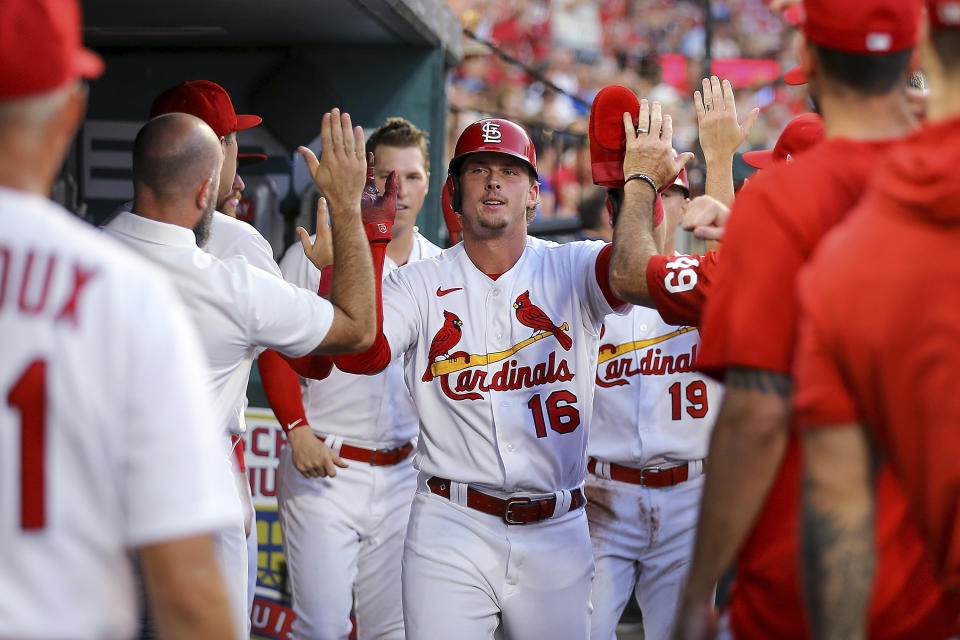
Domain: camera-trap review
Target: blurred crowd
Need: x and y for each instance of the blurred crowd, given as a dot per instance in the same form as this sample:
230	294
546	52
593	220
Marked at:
656	47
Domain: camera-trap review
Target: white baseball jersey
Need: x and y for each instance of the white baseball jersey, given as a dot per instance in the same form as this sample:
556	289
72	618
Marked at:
236	307
652	405
230	237
504	403
375	412
105	438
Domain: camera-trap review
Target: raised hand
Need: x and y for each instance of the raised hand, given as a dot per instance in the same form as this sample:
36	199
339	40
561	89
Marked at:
379	210
721	134
776	6
320	251
650	146
341	170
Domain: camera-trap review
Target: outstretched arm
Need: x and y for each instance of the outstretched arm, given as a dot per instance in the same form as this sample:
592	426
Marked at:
340	175
650	157
746	447
378	215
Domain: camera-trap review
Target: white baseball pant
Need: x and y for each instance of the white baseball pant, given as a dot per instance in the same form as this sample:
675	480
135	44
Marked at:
466	572
343	540
253	548
642	543
231	546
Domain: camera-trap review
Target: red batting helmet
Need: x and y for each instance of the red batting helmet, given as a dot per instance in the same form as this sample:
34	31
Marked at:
450	217
493	135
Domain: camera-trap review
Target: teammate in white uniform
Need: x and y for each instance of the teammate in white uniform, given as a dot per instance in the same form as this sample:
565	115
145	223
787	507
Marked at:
229	237
343	536
96	458
652	421
500	337
237	307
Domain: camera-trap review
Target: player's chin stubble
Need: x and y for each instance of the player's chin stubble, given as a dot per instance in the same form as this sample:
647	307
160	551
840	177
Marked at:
202	229
493	225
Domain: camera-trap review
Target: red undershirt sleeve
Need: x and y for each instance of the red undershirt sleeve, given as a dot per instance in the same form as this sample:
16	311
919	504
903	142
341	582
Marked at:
282	387
603	277
326	279
378	356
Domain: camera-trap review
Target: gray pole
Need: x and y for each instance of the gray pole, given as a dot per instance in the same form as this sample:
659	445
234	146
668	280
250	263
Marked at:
707	39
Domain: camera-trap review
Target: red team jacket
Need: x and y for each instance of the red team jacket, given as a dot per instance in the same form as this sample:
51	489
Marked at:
880	331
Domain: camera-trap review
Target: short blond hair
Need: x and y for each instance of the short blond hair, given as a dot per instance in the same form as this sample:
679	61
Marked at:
400	133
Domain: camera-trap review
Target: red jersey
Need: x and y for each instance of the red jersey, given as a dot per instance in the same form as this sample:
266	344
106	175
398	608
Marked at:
678	286
750	320
880	331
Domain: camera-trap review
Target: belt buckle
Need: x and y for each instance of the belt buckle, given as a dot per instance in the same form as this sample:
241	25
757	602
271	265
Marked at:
507	513
382	452
643	472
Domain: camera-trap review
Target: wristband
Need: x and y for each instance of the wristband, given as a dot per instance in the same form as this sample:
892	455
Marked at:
379	231
288	428
644	177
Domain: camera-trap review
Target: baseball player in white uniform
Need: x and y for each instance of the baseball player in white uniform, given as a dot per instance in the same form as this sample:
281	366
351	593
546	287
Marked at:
229	237
236	307
647	455
96	458
500	336
343	535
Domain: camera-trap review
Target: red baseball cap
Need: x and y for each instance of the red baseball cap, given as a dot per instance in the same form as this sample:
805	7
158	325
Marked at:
41	47
863	26
800	134
795	76
608	142
208	101
793	15
944	14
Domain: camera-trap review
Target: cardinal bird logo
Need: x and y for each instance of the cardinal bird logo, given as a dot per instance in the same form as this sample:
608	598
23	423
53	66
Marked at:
447	338
530	315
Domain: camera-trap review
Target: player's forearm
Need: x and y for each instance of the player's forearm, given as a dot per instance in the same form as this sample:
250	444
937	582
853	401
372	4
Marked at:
746	448
187	592
352	291
634	244
837	532
719	180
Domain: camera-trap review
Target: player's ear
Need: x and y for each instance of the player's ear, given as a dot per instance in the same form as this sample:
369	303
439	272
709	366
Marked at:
533	195
204	193
74	110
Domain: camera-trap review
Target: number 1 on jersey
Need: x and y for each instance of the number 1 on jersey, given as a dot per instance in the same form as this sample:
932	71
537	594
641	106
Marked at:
564	418
28	397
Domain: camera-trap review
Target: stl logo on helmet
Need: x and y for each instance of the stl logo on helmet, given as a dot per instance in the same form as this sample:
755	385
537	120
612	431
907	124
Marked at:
491	132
